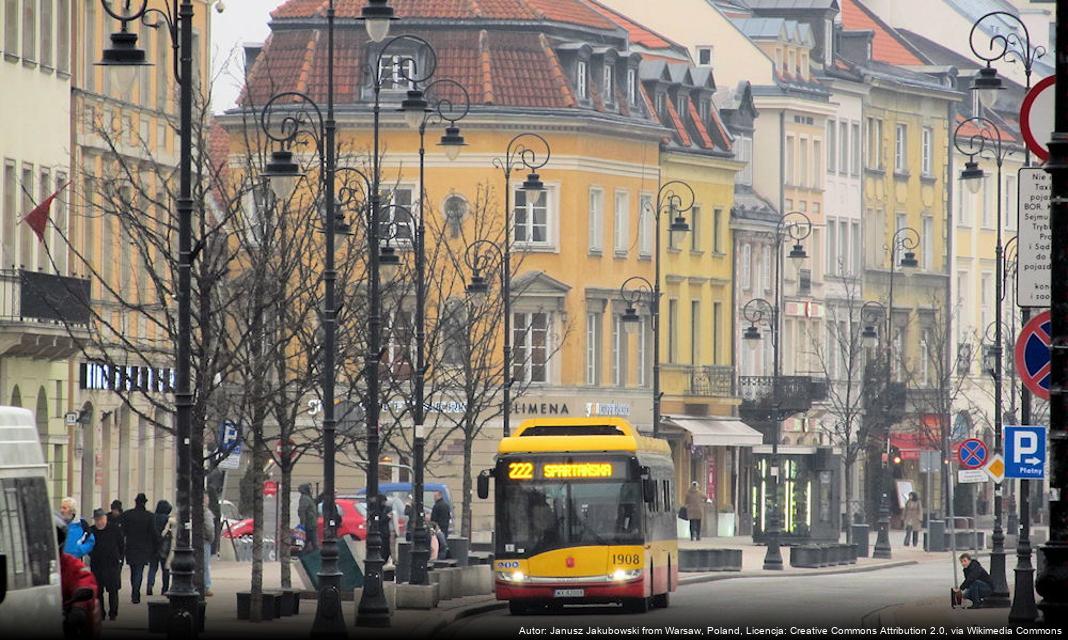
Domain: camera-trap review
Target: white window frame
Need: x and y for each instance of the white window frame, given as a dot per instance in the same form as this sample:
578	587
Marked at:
765	271
581	80
593	348
646	220
632	87
523	353
928	243
388	215
901	141
705	49
832	145
746	266
696	228
619	345
926	162
621	222
609	83
643	350
549	243
596	219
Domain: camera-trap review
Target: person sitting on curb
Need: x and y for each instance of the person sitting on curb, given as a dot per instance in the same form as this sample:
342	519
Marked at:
977	584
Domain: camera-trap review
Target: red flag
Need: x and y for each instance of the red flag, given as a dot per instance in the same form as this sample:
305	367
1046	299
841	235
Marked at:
38	218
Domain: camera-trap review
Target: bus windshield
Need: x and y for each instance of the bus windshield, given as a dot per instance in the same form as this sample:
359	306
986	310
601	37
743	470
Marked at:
540	516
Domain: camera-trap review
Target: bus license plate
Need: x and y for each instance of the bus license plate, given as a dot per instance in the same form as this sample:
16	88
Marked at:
569	593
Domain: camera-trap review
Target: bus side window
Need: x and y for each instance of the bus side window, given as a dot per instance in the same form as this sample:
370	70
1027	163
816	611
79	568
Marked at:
667	496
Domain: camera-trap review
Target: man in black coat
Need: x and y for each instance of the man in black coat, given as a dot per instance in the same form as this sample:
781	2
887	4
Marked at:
141	542
977	584
441	513
106	560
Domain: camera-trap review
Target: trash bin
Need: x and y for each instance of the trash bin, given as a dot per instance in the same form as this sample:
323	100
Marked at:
935	538
458	550
860	538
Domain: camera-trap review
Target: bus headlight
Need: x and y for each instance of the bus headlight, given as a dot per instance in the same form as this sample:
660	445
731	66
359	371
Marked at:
622	575
511	576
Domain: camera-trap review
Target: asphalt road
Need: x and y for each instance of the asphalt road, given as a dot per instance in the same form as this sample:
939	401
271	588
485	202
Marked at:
845	600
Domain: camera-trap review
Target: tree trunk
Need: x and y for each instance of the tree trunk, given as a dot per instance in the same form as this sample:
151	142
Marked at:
850	505
282	538
258	458
465	524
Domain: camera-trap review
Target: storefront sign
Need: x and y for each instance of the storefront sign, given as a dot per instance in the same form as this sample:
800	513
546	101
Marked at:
103	376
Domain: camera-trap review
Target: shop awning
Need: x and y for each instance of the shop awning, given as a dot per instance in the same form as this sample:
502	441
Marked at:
717	431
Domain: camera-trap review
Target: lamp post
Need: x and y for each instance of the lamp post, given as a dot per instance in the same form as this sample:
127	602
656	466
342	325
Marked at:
122	59
980	137
448	110
637	290
906	239
412	67
795	226
1011	48
518	154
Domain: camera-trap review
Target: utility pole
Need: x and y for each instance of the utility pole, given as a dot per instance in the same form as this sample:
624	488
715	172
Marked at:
1052	583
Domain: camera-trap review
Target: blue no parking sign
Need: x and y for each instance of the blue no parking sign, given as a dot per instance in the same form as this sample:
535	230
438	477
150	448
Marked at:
1025	451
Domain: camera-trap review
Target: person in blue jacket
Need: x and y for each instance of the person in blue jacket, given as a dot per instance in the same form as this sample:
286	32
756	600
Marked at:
80	540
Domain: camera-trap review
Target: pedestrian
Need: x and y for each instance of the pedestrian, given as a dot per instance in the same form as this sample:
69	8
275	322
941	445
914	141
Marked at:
162	523
977	584
106	560
309	518
138	526
80	539
385	526
435	541
208	538
409	524
913	517
441	513
695	510
115	520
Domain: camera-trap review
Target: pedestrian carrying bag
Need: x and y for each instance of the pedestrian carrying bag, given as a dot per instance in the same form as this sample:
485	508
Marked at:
682	513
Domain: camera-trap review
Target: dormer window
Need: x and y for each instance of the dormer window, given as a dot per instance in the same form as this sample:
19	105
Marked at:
395	72
704	56
660	104
680	105
609	90
703	108
632	86
581	79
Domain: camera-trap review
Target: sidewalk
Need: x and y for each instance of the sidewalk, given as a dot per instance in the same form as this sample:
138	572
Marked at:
937	613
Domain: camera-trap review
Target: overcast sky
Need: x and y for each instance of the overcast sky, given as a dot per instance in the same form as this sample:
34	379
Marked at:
242	22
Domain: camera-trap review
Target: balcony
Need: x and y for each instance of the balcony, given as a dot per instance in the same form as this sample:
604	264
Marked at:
762	399
42	315
712	381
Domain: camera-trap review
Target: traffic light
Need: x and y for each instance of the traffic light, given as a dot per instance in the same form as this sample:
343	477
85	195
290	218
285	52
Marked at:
895	461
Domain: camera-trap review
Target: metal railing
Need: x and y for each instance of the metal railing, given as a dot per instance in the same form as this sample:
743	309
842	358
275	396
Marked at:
29	296
712	380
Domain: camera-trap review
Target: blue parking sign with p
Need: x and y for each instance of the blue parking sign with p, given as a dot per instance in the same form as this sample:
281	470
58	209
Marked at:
1025	451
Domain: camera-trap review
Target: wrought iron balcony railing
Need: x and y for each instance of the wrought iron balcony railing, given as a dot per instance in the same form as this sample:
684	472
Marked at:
712	380
29	296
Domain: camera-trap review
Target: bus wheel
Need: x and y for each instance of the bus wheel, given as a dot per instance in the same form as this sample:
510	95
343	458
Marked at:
636	605
660	601
517	607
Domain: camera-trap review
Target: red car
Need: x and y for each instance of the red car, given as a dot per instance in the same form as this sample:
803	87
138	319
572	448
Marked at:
353	521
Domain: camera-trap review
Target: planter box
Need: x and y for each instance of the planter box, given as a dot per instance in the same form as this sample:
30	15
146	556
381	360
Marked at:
244	606
725	526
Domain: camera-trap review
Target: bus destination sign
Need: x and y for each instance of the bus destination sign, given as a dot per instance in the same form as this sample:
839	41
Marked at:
528	470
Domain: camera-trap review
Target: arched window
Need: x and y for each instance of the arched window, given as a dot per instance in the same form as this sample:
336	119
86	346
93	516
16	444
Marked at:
16	397
42	414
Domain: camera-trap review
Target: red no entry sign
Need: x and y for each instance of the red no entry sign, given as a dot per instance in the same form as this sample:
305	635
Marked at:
1036	117
1033	355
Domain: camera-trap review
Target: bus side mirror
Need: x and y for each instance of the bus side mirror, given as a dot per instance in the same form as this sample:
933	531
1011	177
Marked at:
483	484
648	490
3	576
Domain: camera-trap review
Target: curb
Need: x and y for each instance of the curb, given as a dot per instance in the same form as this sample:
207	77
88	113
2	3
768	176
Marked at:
431	628
857	569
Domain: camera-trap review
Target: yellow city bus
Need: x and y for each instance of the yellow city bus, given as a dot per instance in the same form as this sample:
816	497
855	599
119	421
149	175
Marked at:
584	513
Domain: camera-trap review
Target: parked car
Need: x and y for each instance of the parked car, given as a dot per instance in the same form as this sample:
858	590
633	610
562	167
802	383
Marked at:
397	493
31	603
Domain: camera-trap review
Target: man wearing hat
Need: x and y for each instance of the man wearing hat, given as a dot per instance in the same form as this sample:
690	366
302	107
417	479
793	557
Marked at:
106	560
141	543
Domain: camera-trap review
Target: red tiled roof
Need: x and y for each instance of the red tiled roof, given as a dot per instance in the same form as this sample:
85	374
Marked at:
677	124
887	46
516	68
566	11
637	33
702	132
973	129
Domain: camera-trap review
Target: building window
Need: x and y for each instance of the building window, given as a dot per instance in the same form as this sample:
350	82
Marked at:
673	331
11	27
530	346
659	104
984	195
10	189
875	143
26	234
60	230
46	32
593	348
901	160
832	146
1010	197
89	51
581	80
928	243
646	220
532	218
44	184
609	88
717	222
856	249
765	269
926	165
717	319
63	35
643	364
400	343
632	87
817	161
394	72
622	222
843	265
395	218
704	56
985	295
789	160
619	348
743	149
843	149
695	228
746	258
596	222
802	156
29	30
832	247
854	168
695	332
680	102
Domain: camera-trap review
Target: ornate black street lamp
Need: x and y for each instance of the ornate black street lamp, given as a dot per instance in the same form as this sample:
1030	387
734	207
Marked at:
794	226
519	153
444	110
1011	48
979	136
121	60
905	239
637	290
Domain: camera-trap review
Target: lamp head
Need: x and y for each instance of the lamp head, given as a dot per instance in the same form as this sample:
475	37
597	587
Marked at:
989	86
631	320
751	336
869	336
972	175
909	261
478	288
798	252
414	107
122	59
388	263
452	141
377	16
533	183
282	174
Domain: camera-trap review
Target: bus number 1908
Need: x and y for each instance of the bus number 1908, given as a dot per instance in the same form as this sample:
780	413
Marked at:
520	470
625	558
